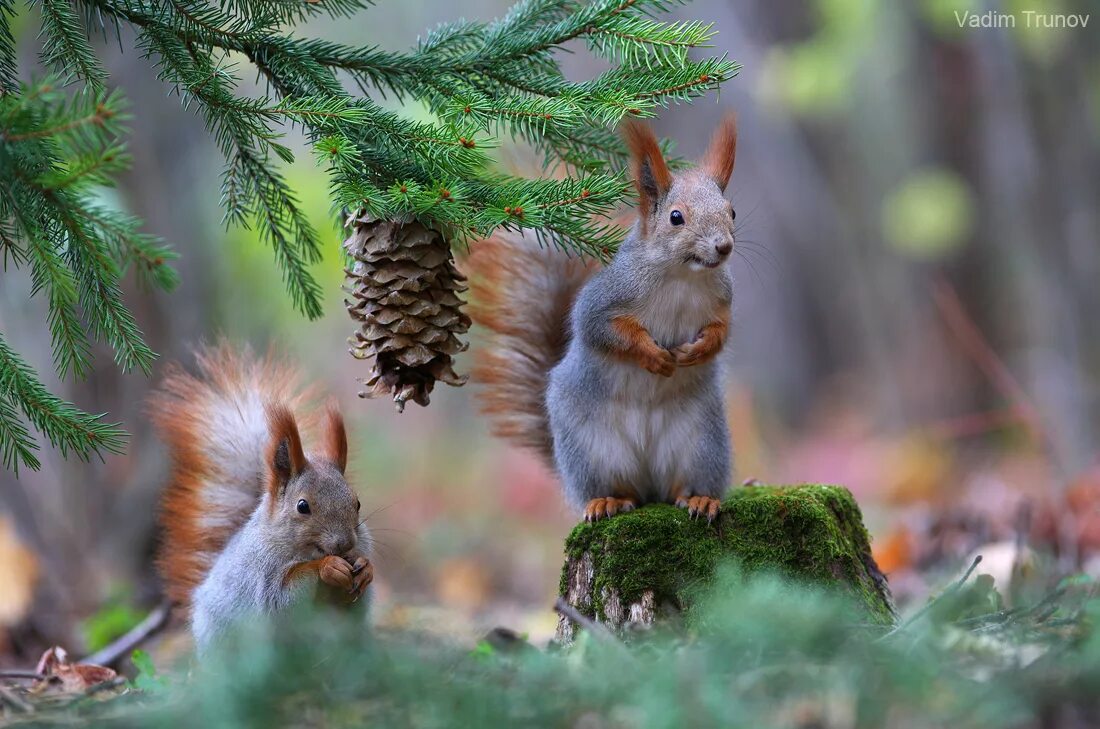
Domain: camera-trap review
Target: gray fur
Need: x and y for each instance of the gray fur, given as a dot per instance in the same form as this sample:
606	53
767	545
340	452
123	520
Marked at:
614	424
248	577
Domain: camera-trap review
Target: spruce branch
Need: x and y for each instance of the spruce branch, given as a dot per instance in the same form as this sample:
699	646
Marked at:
480	81
66	47
67	427
16	445
9	80
55	149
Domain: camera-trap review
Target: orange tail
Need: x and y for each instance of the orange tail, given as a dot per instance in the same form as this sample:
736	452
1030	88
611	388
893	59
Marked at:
522	295
216	428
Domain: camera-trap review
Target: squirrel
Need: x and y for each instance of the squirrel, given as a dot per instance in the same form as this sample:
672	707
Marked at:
251	523
610	374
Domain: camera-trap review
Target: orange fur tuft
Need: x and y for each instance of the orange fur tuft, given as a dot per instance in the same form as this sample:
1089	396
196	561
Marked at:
647	166
336	439
216	429
522	295
639	347
285	457
722	152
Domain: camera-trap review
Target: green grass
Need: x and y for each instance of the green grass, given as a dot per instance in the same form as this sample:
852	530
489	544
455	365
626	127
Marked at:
765	652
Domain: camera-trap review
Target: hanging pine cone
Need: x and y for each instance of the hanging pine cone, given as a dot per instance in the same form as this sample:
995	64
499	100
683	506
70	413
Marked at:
404	288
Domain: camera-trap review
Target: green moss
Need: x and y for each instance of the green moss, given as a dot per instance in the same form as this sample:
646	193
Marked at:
812	533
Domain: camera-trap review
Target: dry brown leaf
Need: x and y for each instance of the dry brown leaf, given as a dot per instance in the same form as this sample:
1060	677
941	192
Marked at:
59	675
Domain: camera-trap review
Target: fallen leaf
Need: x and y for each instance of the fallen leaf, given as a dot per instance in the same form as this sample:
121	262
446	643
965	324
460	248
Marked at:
59	675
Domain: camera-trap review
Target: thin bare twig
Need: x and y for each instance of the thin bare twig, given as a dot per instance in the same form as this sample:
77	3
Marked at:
986	359
18	674
965	426
125	645
106	686
596	629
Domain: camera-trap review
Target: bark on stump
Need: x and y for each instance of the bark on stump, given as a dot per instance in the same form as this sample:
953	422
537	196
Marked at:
625	572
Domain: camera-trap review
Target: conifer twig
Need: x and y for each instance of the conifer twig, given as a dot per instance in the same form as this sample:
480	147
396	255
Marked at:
480	82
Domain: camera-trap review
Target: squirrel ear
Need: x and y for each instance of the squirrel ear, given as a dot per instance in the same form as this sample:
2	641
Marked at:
718	161
336	439
651	175
285	457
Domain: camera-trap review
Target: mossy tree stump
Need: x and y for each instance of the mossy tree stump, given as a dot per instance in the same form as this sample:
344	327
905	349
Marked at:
623	571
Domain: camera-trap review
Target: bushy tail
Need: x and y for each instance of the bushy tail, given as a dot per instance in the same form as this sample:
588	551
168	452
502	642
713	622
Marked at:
216	427
522	295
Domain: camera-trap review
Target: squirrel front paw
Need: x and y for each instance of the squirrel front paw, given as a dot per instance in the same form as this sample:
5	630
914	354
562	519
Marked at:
701	350
688	355
705	347
659	361
337	572
362	572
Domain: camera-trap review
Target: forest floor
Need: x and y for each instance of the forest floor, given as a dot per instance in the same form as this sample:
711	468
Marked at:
763	653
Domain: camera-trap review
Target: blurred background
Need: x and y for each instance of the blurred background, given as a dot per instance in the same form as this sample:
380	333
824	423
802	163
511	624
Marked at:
917	318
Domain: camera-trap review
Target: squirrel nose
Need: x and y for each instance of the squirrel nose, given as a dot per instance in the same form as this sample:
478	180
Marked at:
342	545
724	248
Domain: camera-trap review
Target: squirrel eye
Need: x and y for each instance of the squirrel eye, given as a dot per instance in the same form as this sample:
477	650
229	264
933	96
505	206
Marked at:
303	506
357	504
676	217
733	213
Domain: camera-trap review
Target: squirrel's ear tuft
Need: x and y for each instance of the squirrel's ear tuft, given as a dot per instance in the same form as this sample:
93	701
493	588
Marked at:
336	439
651	175
285	457
718	161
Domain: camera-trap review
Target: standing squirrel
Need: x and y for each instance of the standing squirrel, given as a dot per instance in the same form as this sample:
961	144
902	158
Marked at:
250	522
611	374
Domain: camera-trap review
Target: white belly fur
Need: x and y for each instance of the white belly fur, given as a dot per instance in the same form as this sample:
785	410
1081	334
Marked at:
648	437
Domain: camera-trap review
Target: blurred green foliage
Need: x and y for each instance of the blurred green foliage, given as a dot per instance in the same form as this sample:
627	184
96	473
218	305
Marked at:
1039	44
814	77
806	79
247	269
941	15
772	654
929	215
115	618
147	678
1042	45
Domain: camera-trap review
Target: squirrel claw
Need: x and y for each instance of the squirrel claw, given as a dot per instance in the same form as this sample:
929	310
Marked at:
607	507
698	506
362	575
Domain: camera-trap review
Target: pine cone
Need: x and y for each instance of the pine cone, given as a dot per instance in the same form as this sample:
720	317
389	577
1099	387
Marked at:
404	288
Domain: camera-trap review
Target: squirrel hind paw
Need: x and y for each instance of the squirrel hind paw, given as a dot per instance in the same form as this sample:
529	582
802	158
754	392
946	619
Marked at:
607	507
697	506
